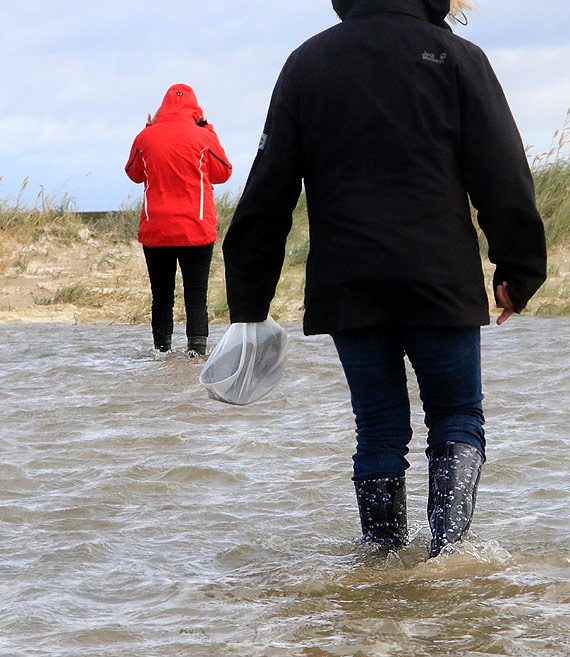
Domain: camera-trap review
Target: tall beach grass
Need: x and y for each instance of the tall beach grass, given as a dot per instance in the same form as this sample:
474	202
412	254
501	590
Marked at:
55	220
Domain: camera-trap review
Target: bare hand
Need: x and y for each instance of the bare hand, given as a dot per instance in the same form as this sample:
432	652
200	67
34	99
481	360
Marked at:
504	301
152	121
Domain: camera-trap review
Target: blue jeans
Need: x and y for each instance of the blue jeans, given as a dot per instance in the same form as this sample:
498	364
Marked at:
447	364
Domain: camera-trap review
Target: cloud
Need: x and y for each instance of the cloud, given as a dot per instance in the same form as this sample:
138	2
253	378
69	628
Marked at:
82	78
538	90
518	23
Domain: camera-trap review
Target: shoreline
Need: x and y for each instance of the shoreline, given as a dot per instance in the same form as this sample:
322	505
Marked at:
71	315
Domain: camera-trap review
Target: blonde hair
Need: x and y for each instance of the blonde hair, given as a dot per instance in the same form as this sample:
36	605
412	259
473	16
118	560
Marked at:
459	6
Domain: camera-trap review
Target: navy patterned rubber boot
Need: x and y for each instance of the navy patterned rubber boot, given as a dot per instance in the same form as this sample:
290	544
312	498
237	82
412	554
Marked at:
382	507
454	473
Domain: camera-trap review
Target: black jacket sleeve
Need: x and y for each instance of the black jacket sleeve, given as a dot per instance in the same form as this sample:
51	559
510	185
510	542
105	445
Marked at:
500	183
254	246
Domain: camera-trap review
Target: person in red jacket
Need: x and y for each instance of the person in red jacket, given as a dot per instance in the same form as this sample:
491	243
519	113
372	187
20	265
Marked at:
178	157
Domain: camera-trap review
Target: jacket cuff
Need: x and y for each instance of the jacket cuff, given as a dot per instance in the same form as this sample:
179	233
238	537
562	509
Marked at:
519	302
247	316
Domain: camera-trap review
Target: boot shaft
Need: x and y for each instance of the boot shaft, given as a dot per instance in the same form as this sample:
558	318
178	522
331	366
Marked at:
197	344
383	514
454	473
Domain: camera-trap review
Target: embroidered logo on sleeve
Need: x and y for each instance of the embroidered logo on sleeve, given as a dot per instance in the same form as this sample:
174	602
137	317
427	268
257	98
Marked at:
430	57
262	142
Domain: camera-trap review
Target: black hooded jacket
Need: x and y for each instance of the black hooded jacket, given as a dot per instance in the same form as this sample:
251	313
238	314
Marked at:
433	10
392	122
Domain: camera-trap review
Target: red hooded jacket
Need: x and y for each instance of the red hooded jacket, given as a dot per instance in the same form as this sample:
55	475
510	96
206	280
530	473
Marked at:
178	161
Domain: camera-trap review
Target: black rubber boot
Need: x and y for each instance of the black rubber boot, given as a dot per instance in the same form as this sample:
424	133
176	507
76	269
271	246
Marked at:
454	472
163	343
382	506
197	344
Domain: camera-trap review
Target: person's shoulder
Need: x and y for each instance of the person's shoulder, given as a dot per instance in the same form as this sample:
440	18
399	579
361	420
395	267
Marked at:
316	43
205	135
141	137
466	49
462	53
149	131
330	34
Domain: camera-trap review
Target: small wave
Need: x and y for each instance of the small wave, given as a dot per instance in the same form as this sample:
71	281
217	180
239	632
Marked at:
464	559
468	558
190	473
178	353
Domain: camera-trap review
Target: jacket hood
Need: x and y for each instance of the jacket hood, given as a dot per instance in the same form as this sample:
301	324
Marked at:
437	10
180	102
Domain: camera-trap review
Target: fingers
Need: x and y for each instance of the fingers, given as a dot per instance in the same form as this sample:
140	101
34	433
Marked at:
504	301
504	316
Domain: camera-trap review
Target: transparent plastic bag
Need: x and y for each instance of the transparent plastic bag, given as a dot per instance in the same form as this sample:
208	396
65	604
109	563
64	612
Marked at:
247	363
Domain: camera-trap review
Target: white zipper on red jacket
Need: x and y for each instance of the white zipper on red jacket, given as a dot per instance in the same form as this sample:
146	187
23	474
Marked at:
202	184
146	186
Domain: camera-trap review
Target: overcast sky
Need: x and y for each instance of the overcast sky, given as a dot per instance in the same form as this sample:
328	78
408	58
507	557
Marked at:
79	78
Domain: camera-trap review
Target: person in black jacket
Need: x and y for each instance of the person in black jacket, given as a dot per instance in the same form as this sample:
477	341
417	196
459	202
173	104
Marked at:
393	123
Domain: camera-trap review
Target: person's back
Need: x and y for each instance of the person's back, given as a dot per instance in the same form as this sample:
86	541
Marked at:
178	157
392	123
387	110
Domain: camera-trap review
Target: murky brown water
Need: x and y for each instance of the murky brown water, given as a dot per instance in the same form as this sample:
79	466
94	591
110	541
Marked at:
140	519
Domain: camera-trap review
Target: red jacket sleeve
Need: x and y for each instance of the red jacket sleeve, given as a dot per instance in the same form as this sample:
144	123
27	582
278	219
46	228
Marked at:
218	164
135	167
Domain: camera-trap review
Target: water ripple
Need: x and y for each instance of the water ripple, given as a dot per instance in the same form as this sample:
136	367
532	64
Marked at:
140	517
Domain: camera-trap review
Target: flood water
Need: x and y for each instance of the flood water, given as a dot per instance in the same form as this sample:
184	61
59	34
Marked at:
139	518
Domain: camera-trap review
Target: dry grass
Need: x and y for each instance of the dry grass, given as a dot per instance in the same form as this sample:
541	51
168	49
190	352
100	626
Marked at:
61	265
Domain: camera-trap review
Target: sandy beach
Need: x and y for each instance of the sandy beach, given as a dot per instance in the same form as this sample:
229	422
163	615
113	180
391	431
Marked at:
99	279
94	280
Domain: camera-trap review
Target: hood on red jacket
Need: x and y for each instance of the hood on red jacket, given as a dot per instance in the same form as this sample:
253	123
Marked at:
179	102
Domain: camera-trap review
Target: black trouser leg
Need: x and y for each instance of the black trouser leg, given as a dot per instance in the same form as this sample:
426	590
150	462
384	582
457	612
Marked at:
195	265
161	265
